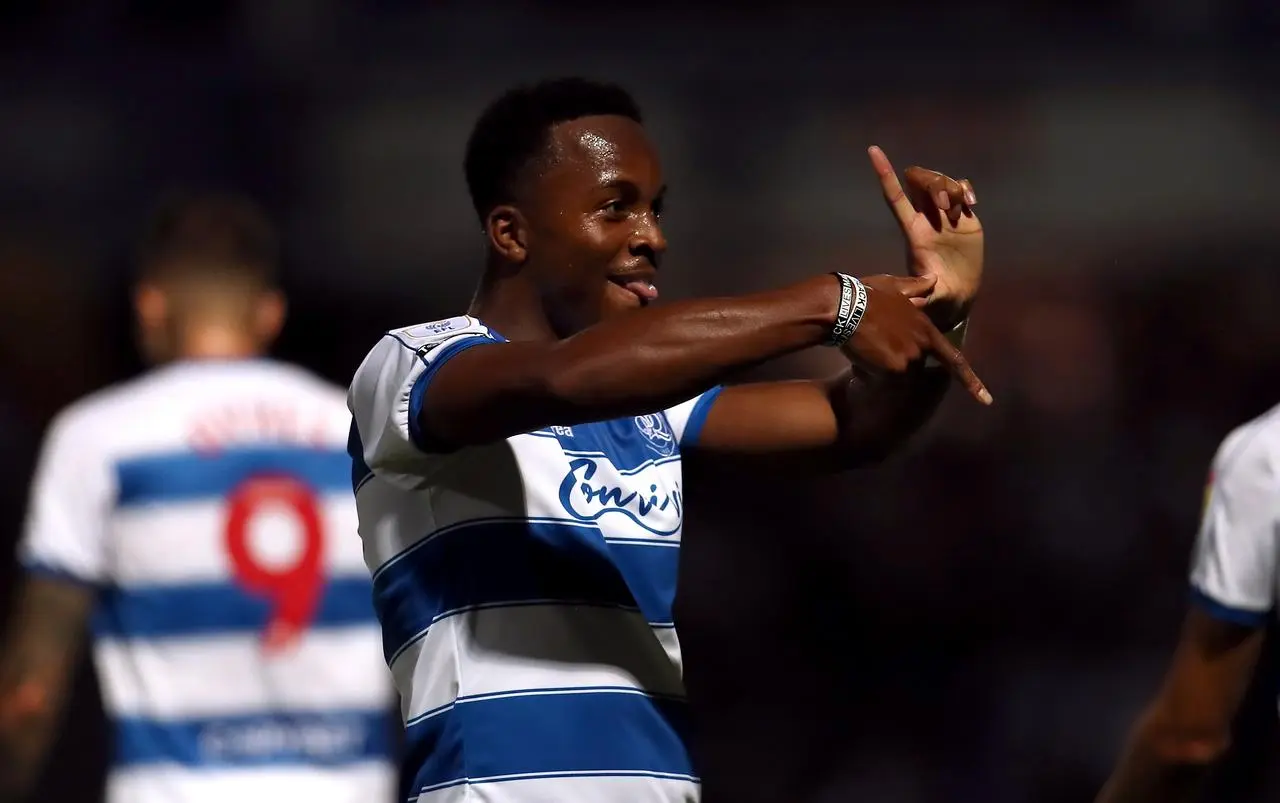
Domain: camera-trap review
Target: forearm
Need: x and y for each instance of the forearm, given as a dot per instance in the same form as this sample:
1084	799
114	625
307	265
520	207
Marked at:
877	415
24	743
633	364
654	358
1156	770
36	661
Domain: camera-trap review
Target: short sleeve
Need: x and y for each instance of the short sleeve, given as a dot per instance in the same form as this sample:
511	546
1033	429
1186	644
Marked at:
386	394
71	498
1233	573
686	419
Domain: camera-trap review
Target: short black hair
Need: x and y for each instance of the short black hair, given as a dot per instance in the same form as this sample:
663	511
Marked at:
513	130
210	234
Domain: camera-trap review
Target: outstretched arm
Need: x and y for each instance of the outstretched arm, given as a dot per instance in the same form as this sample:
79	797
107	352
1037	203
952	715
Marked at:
455	384
846	421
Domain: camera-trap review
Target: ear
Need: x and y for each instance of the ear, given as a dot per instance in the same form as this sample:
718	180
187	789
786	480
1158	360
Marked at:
151	305
508	233
269	316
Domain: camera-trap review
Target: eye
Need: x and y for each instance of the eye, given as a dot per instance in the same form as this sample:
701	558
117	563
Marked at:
658	206
616	209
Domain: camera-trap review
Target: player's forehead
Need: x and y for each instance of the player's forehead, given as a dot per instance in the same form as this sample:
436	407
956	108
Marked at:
601	150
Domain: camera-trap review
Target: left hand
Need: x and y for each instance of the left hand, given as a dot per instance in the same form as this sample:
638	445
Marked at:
944	236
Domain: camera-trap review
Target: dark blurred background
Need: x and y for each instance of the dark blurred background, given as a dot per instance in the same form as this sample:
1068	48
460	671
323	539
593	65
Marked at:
979	620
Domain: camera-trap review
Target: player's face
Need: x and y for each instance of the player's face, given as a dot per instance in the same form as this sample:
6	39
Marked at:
595	240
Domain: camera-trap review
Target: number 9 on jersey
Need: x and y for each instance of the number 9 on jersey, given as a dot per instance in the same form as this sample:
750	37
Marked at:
294	583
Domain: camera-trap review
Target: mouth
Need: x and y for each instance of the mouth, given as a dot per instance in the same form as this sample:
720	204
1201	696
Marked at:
638	284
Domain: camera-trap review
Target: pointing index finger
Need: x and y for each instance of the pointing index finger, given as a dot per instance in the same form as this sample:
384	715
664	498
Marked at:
959	366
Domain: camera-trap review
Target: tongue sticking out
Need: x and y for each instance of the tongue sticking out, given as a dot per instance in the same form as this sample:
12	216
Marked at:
643	289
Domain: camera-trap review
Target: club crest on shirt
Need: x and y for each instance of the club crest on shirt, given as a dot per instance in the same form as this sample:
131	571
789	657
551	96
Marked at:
657	435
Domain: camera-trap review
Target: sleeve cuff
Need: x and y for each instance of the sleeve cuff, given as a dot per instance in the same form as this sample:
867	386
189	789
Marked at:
419	390
48	571
1229	613
698	417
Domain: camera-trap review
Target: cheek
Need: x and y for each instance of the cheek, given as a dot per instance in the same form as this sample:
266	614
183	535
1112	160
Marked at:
574	253
586	261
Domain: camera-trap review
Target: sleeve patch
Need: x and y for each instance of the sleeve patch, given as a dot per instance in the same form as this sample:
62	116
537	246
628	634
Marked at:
422	338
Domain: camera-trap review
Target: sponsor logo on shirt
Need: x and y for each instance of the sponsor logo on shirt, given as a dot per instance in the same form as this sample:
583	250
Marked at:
594	491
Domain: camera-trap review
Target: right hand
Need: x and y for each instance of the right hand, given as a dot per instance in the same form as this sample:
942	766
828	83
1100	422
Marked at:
894	332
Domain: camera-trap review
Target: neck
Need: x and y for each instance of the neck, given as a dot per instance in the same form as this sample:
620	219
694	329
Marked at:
511	305
216	343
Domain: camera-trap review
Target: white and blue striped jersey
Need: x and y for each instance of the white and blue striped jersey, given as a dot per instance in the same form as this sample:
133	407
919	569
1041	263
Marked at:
525	590
1235	573
209	503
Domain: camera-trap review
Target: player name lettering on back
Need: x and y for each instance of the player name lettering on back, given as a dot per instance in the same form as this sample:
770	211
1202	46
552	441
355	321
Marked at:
256	422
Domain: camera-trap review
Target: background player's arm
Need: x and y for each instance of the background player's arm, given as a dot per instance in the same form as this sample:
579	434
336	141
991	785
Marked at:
62	549
1186	728
40	649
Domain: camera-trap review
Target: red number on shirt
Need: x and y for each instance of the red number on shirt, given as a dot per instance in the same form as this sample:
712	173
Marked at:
294	590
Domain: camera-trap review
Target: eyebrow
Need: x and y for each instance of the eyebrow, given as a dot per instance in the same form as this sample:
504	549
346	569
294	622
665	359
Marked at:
617	183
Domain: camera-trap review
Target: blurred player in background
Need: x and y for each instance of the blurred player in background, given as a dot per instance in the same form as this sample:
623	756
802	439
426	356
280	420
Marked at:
205	511
519	480
1186	729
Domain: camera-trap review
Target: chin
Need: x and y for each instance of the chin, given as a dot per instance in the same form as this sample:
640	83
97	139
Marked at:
611	311
618	300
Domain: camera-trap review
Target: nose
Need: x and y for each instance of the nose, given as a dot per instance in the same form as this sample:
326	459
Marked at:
648	240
